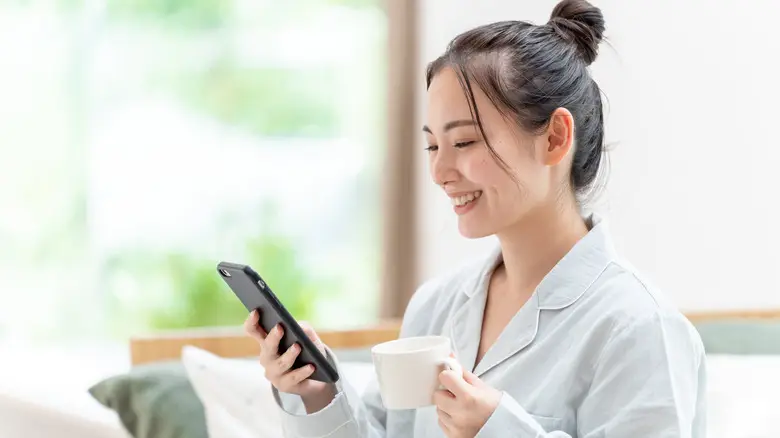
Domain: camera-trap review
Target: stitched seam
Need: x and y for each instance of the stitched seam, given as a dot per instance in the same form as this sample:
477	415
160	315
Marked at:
590	285
639	280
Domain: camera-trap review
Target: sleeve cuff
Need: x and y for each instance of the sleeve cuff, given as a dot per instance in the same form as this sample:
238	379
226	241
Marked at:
325	421
297	423
509	415
289	403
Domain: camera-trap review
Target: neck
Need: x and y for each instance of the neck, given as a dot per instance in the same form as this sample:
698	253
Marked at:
531	248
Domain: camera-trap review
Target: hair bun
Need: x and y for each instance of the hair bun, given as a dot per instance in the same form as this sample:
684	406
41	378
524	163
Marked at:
580	22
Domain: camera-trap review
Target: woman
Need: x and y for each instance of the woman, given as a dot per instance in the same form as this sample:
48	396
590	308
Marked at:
559	336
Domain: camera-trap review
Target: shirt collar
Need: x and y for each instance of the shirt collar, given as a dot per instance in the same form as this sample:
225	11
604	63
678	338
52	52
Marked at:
572	275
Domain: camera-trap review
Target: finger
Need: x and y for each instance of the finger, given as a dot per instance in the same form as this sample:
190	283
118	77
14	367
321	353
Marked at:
447	420
295	377
454	383
313	336
252	328
284	362
270	347
309	330
471	378
445	401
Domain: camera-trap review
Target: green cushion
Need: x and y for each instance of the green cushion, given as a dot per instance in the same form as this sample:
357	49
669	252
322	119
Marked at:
740	336
155	400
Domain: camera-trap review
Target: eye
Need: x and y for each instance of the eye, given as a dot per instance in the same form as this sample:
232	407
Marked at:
463	144
432	148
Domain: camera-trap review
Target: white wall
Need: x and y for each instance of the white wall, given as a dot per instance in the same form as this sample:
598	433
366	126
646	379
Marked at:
694	190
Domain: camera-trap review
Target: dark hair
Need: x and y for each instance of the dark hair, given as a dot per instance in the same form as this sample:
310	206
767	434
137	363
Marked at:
528	71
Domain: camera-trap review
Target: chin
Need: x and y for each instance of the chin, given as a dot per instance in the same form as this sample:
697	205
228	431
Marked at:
473	230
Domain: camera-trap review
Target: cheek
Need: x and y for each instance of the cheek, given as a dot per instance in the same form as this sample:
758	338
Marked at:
486	173
483	171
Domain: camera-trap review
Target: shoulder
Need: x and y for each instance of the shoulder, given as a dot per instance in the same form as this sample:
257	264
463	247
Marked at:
636	310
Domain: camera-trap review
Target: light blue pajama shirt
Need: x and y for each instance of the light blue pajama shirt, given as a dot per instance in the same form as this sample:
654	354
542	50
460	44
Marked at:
595	352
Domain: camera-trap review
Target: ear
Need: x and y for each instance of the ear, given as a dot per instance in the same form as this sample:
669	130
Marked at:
560	136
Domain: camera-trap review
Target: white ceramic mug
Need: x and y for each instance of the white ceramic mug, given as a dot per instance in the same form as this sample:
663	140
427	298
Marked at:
408	370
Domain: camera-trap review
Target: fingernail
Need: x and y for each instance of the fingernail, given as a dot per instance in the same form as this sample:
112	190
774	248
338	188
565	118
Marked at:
310	367
278	328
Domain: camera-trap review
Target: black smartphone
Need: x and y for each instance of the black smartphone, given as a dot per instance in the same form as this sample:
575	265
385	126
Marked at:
254	293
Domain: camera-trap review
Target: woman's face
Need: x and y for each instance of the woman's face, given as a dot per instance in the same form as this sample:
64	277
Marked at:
485	197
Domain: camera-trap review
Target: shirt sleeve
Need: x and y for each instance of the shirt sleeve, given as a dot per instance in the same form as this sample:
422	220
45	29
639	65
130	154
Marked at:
348	416
648	382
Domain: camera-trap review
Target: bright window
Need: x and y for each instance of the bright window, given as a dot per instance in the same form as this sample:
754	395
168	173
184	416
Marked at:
143	141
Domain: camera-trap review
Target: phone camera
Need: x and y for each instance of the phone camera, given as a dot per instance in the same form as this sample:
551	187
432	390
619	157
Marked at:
224	272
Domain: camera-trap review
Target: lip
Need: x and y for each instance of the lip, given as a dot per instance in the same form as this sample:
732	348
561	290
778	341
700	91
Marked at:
460	210
456	194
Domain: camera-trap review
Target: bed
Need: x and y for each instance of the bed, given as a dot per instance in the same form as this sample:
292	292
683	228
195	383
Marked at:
70	411
45	395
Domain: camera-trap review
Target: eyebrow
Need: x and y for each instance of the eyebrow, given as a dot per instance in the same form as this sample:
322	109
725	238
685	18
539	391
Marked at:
451	125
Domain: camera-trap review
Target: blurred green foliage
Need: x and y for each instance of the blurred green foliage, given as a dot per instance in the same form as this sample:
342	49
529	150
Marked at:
263	98
148	287
203	299
358	3
178	289
186	291
195	15
267	101
183	14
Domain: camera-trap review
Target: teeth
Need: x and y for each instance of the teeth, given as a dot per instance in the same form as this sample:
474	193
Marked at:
465	199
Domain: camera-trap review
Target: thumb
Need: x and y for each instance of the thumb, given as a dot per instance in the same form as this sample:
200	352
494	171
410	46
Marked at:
454	383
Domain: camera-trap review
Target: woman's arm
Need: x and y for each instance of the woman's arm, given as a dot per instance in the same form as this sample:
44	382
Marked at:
348	415
649	382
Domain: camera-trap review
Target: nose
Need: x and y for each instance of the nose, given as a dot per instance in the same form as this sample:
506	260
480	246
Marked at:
442	167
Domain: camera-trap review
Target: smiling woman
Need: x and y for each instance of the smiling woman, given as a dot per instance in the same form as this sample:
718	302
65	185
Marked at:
512	169
556	333
471	88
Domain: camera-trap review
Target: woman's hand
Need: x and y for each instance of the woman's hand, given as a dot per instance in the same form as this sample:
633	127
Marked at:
465	404
315	394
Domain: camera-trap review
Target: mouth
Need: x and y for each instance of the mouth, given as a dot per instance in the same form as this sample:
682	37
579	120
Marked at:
460	201
463	203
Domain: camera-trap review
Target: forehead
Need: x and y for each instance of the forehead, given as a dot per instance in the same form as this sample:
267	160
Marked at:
446	94
447	100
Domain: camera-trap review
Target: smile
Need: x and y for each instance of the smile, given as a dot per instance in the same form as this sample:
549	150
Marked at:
460	201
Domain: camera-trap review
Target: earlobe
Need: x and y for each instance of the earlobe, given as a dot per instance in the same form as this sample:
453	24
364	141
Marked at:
560	136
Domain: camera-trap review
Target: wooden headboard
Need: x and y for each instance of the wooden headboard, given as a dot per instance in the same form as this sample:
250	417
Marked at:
232	342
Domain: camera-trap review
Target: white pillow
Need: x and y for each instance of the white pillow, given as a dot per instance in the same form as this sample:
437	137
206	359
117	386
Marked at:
743	396
237	398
